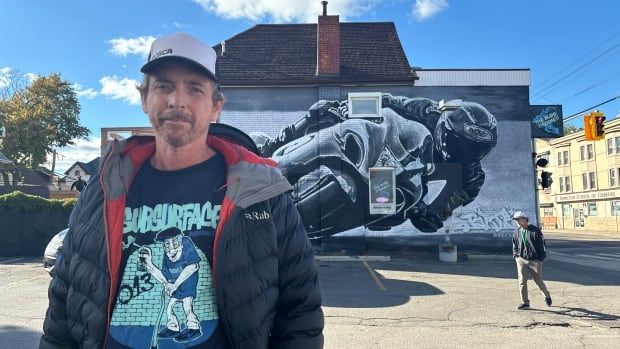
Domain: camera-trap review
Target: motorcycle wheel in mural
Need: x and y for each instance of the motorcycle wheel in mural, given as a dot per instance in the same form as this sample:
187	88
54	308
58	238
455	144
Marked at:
435	155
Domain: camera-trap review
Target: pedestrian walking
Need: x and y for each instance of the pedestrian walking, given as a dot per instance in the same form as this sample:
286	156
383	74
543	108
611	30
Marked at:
529	251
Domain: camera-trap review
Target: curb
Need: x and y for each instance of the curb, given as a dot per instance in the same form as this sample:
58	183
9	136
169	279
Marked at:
489	257
352	258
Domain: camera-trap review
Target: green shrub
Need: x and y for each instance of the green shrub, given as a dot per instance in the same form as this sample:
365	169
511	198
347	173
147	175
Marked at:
29	203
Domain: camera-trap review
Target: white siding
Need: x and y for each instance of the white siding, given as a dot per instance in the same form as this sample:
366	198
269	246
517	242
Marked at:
473	77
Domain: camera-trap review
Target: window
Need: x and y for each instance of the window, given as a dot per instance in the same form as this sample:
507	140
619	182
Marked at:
615	208
548	211
563	158
584	181
582	153
566	209
364	104
590	149
77	172
610	146
591	208
564	184
592	180
612	177
617	139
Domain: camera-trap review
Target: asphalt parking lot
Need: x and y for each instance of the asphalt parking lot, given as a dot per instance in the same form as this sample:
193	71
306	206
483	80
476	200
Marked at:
403	303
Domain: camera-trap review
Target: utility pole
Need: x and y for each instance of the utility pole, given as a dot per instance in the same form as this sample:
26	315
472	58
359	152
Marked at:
53	167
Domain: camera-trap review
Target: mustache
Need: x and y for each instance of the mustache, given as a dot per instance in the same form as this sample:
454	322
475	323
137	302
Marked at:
176	116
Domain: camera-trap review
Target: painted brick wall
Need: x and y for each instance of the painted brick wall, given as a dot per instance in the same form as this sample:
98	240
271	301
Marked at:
132	313
509	183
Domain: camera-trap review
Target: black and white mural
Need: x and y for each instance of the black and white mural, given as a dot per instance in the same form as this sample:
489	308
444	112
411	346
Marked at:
463	169
436	156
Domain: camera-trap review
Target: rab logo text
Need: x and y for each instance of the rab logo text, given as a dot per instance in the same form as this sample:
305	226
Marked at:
257	215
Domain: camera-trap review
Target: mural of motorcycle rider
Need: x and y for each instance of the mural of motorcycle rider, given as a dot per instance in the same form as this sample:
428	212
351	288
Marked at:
463	136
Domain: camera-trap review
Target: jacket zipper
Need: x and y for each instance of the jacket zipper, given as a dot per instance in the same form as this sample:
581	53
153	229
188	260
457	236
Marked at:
107	244
218	289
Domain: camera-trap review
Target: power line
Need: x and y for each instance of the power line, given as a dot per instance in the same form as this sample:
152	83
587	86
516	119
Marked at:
574	71
588	52
569	118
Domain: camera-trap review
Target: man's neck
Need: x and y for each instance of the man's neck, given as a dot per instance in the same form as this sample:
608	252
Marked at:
168	158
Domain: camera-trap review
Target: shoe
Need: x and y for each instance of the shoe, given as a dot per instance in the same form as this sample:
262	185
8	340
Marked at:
548	301
167	333
187	335
523	306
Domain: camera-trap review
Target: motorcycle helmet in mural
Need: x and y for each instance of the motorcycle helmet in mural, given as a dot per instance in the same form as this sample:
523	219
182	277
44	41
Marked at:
326	156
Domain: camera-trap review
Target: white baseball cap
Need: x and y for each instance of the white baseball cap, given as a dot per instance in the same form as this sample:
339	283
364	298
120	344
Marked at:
519	214
181	46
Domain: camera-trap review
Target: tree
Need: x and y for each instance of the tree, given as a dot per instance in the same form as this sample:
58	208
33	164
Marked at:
38	118
568	129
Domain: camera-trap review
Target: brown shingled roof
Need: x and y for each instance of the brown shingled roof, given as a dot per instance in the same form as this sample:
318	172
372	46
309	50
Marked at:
278	54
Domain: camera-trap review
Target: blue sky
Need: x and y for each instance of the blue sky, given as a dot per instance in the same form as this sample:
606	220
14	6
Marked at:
572	48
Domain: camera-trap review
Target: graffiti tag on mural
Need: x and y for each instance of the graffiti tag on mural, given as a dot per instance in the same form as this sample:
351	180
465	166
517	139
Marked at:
499	222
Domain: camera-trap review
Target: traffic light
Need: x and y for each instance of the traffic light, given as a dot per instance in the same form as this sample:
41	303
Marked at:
545	179
587	127
599	124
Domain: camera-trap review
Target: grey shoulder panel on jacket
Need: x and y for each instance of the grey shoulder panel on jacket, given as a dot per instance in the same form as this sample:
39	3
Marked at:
250	183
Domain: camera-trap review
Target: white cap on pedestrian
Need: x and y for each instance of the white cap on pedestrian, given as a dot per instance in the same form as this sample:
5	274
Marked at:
519	214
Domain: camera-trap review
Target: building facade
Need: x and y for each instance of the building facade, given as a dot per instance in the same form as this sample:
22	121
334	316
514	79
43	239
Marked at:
585	191
337	104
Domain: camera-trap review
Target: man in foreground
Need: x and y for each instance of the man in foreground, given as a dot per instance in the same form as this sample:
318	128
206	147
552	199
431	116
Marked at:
185	224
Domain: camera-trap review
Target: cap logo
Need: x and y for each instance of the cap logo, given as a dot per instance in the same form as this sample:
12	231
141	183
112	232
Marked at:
161	53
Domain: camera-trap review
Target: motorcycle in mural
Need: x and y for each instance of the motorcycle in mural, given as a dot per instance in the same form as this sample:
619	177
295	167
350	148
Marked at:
435	155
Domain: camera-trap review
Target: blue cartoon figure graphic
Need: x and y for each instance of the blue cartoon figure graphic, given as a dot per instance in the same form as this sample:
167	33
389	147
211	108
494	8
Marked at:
179	277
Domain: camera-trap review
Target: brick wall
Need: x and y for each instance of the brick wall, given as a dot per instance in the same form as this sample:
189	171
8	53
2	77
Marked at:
328	45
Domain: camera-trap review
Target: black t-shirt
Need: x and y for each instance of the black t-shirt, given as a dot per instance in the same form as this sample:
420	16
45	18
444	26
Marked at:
166	296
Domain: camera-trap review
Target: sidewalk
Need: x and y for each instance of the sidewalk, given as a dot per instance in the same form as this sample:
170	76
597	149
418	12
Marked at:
582	234
422	303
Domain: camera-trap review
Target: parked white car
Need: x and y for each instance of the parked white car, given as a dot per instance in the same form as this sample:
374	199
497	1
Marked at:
52	250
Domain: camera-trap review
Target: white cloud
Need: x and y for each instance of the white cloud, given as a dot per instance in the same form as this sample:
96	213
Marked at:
181	25
285	10
135	46
424	9
87	93
83	151
4	76
32	76
120	88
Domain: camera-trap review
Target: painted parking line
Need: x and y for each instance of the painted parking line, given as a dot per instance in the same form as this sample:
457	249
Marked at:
12	260
374	276
615	258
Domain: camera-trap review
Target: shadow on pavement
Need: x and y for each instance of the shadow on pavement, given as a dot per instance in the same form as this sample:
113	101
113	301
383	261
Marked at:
350	285
14	337
608	320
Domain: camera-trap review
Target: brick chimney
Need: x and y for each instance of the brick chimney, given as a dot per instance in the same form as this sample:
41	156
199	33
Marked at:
328	44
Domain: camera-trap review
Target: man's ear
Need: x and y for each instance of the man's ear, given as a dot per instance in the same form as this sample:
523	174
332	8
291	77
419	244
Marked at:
143	95
217	109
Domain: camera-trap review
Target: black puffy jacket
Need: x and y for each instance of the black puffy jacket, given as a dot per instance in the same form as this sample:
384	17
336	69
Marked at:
534	247
266	278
